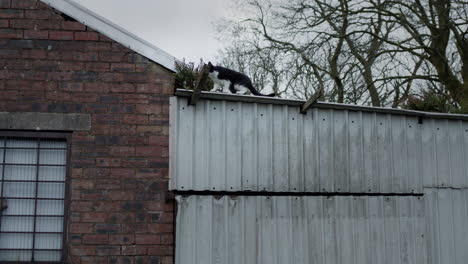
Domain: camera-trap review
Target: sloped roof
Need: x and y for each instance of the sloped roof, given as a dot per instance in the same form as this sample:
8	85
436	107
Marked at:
113	31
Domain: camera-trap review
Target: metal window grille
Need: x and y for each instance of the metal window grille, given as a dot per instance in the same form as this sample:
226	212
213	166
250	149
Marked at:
33	191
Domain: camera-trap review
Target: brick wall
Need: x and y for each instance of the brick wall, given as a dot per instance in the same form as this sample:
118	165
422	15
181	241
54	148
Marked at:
120	211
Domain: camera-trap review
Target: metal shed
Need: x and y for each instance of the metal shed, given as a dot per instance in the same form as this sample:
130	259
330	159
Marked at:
258	182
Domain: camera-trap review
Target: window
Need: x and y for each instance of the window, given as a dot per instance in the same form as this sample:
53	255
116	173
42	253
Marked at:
33	186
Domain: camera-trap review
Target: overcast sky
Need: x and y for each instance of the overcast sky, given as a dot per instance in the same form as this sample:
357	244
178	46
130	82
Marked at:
183	28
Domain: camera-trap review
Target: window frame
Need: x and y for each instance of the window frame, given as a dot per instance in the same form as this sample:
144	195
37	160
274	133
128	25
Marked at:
67	136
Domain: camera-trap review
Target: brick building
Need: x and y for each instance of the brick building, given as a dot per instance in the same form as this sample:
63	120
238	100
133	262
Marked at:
84	129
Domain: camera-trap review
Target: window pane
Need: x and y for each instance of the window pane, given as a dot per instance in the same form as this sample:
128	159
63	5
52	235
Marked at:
21	156
52	173
49	224
15	255
20	172
16	241
17	224
19	207
53	143
2	151
47	255
48	241
22	143
19	189
51	190
50	207
52	156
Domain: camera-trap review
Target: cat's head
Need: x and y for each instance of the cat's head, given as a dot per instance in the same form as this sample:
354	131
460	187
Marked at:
210	67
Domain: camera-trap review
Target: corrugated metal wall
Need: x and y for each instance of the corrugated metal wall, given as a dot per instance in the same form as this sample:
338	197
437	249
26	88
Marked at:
300	230
236	146
447	225
229	146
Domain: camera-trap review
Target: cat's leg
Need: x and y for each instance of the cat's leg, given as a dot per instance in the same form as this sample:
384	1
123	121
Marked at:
242	89
232	88
215	88
226	85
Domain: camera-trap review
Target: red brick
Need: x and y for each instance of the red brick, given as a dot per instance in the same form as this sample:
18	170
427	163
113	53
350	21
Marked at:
92	260
149	109
72	25
106	206
24	23
93	217
122	151
86	36
147	151
8	33
149	129
80	250
81	228
167	239
9	95
135	119
34	54
122	172
166	260
61	35
82	184
133	250
119	195
5	3
161	250
107	184
108	162
18	65
135	99
97	46
151	88
122	88
11	13
111	77
97	66
4	23
160	228
122	239
79	206
107	250
23	4
158	140
97	87
39	14
95	239
111	56
123	67
36	34
147	239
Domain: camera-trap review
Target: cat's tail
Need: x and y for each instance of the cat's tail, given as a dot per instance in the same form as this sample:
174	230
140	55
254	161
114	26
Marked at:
257	93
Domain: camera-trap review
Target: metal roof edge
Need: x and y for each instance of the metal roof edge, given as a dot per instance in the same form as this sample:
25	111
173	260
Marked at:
113	31
323	105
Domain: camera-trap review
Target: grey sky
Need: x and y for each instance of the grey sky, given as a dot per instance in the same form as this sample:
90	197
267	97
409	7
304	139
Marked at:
182	28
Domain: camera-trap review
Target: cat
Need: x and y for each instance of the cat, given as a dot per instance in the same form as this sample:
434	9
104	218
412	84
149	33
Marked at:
229	81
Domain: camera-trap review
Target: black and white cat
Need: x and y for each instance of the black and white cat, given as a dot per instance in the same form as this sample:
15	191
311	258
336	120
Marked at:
229	81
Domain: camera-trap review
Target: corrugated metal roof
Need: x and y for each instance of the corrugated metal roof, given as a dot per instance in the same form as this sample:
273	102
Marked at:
240	146
300	230
324	105
447	225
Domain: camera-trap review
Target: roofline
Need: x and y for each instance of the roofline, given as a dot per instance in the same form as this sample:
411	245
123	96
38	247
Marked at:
113	31
322	105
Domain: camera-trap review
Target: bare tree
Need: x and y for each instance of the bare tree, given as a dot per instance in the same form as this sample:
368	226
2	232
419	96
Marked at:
377	52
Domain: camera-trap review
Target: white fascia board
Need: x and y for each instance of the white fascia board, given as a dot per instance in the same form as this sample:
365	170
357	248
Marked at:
113	31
